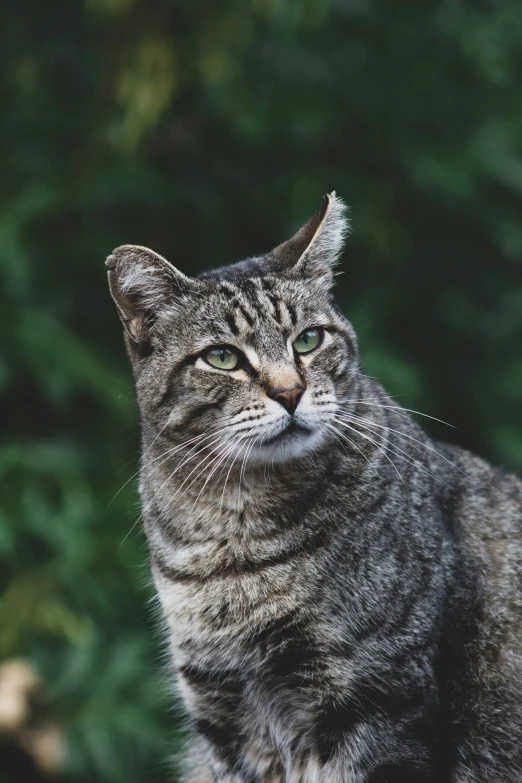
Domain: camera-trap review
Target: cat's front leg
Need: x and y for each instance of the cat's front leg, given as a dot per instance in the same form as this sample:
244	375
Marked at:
213	699
343	769
383	738
233	757
226	747
206	766
203	765
194	766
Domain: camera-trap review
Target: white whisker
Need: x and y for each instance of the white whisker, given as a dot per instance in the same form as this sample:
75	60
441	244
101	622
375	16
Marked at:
401	410
398	452
409	437
377	445
194	451
338	434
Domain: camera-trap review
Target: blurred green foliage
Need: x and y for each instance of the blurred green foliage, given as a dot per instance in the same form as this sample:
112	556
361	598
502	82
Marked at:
208	130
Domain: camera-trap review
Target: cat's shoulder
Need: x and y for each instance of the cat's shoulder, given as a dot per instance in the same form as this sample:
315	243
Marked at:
486	499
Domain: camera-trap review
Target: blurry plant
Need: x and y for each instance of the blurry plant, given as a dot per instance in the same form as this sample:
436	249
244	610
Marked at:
31	745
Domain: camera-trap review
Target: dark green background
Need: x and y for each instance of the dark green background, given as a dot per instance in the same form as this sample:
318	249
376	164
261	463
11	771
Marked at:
208	130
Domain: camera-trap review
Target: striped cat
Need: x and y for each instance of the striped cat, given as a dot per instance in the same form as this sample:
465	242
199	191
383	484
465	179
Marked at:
343	595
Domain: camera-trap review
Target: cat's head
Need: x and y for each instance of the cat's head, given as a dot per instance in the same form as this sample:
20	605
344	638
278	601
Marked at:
255	357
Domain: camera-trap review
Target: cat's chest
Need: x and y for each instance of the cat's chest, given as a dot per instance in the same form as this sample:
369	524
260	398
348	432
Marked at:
227	573
218	596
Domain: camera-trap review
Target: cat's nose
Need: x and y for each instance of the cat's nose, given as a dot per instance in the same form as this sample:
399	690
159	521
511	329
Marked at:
288	398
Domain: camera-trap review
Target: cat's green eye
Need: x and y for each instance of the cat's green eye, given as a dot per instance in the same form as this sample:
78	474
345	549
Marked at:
222	357
308	340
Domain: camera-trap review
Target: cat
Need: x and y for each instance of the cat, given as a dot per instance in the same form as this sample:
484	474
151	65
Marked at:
342	594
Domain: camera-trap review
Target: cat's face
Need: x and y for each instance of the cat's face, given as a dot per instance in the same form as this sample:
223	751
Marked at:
251	361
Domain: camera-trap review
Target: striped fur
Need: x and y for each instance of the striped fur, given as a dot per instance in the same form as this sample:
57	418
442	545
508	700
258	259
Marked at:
342	595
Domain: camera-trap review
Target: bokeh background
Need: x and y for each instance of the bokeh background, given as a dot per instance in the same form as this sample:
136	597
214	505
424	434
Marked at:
208	130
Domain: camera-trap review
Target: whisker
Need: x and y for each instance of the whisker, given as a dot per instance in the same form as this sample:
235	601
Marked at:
408	457
338	434
205	463
146	506
402	410
170	450
259	439
378	446
220	459
193	453
236	457
398	452
247	452
166	454
409	437
338	439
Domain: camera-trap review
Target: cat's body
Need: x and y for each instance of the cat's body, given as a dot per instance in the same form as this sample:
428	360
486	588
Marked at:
343	596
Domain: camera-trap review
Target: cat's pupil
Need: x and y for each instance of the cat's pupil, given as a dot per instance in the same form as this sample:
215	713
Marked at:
221	354
222	358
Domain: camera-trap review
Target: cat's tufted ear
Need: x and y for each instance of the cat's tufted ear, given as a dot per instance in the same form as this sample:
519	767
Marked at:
316	247
142	283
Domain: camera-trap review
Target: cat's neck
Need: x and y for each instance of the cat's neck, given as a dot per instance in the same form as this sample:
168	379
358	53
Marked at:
241	488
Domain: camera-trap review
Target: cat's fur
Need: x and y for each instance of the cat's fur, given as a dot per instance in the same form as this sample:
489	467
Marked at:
344	602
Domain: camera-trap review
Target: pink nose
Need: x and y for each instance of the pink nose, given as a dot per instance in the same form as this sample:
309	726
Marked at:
288	398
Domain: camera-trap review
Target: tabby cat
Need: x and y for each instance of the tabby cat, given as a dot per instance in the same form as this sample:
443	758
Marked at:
342	595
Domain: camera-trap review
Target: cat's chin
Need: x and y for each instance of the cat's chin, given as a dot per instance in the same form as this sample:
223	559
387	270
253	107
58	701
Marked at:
292	443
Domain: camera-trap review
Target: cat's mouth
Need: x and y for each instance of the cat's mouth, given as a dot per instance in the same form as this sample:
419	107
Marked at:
293	429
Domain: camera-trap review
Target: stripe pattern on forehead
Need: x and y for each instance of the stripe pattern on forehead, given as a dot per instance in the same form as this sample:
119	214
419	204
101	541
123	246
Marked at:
243	318
240	319
283	313
255	299
257	296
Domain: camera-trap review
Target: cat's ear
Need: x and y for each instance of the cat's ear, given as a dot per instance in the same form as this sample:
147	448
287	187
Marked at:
316	247
142	283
